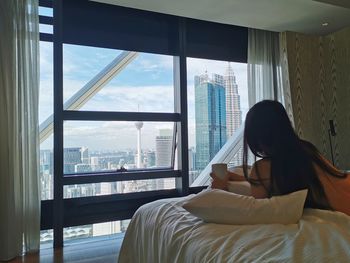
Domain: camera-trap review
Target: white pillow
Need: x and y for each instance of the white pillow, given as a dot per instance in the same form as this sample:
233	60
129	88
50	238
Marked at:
222	207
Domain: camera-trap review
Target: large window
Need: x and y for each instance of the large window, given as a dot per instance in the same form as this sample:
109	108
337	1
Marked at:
130	108
94	82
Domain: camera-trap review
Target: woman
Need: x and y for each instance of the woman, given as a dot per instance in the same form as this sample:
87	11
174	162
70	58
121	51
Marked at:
287	163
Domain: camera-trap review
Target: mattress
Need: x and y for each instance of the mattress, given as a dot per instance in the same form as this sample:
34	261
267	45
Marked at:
162	231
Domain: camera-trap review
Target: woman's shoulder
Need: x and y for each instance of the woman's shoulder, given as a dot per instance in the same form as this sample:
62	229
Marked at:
263	163
261	167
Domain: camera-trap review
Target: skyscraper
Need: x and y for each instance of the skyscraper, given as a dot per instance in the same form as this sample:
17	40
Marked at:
151	158
233	109
73	156
139	125
233	106
164	147
164	144
46	174
210	110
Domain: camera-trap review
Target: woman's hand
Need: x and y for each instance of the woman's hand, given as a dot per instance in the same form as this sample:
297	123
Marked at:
218	183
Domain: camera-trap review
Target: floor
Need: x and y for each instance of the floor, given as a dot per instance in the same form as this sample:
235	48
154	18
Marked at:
99	250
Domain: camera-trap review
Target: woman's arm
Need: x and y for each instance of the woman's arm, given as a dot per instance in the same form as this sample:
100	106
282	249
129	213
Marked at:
222	183
235	176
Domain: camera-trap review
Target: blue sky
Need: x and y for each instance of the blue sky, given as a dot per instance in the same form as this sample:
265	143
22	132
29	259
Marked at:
145	84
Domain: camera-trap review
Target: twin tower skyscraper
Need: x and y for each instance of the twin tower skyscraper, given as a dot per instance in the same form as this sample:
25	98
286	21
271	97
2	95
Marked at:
218	113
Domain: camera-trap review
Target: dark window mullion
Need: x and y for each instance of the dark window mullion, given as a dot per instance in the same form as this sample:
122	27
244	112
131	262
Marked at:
105	208
99	209
183	185
89	178
58	124
46	20
46	3
46	37
119	116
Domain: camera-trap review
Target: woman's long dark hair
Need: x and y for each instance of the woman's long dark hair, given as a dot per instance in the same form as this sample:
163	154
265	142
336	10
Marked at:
269	134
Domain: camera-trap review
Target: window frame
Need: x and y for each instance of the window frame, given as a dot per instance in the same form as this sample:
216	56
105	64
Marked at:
59	213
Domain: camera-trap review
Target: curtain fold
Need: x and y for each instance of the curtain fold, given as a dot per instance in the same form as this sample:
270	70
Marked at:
268	76
19	145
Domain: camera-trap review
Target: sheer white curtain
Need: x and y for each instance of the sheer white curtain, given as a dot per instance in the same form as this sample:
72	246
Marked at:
268	76
19	91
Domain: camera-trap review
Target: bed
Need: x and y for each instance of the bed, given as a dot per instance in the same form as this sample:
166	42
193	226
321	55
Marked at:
163	231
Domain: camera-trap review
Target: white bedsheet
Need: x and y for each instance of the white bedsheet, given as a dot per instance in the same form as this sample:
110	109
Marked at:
162	231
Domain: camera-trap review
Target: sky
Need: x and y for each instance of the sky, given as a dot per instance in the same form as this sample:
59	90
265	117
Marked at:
146	84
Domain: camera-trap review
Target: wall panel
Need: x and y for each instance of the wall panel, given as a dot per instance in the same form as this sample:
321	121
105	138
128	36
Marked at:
319	69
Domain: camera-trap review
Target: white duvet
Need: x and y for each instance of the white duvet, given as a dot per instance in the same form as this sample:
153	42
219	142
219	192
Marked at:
162	231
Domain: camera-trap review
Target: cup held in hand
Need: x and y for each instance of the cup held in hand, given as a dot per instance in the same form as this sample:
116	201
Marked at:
219	169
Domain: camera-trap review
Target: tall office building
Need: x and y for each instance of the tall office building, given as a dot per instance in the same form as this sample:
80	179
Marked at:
210	122
164	144
85	155
73	156
82	168
233	106
95	163
151	159
46	174
193	172
233	109
164	147
46	161
76	160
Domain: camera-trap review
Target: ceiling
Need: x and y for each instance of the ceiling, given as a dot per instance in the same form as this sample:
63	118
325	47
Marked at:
304	16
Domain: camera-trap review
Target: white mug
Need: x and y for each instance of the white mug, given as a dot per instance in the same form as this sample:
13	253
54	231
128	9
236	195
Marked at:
219	169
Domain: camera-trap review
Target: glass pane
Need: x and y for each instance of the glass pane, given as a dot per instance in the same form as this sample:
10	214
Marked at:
45	111
46	168
78	232
84	190
110	228
95	230
45	11
217	105
43	28
46	238
95	146
46	81
94	77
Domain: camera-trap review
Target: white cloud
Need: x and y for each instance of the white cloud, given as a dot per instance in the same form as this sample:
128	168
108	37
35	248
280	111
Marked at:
45	98
133	98
150	62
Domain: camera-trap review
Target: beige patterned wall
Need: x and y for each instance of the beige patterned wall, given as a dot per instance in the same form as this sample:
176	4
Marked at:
319	71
